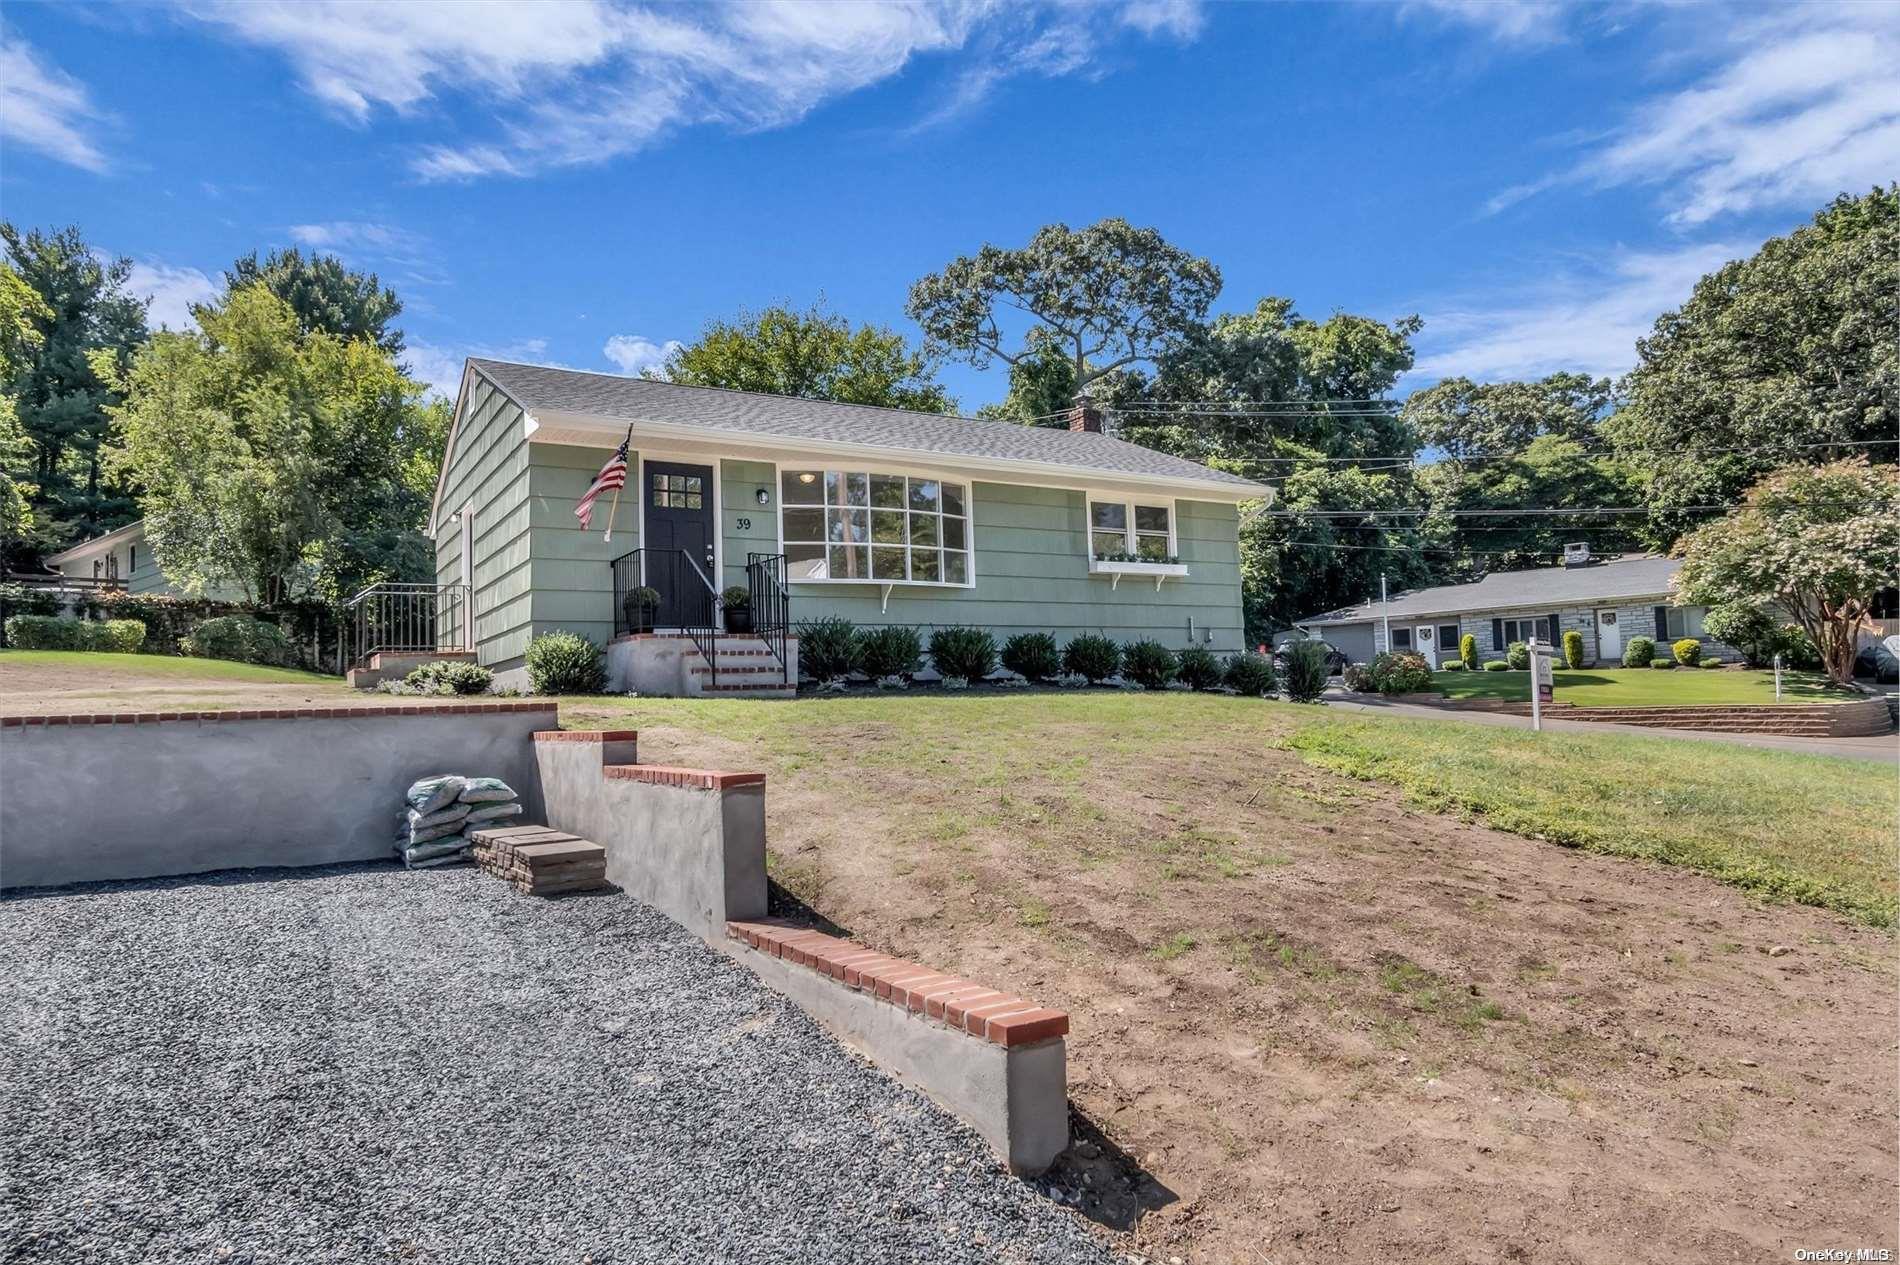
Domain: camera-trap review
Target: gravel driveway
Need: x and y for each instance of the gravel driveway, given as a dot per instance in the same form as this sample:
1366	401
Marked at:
360	1063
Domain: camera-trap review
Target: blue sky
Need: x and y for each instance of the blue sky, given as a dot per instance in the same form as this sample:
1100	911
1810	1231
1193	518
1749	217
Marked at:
579	183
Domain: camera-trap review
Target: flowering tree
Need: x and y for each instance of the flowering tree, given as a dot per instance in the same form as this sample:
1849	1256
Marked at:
1818	542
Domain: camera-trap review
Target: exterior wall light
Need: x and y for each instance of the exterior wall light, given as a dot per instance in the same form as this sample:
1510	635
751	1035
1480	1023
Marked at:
764	497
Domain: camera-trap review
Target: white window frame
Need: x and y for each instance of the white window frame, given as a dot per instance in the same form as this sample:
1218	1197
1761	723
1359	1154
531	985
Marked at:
1128	504
893	471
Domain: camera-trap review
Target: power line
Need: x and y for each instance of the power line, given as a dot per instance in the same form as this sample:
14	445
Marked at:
1481	553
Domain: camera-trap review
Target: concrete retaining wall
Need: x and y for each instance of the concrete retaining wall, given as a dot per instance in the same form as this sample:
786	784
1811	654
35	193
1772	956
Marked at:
689	842
185	793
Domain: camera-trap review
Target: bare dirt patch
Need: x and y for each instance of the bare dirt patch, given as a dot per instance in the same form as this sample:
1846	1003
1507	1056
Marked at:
1310	1022
41	690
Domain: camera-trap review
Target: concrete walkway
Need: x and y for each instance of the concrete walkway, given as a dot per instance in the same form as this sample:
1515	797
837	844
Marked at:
1885	747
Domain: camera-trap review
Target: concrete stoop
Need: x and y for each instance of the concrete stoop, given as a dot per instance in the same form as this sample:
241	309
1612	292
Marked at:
394	667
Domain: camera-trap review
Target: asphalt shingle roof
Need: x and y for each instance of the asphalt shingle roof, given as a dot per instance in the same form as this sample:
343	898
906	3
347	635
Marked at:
1539	587
749	413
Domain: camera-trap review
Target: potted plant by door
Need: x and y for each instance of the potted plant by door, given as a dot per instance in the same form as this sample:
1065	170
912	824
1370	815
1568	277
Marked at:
738	605
638	606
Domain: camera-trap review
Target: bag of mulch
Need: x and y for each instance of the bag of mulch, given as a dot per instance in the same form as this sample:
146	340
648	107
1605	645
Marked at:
488	814
485	790
427	855
449	816
434	793
411	838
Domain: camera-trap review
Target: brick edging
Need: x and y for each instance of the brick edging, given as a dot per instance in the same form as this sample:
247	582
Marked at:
285	713
1000	1018
694	779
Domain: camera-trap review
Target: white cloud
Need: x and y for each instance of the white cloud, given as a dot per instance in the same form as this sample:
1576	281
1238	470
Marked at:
634	354
172	291
1585	321
353	235
43	108
583	82
1802	104
441	367
1508	21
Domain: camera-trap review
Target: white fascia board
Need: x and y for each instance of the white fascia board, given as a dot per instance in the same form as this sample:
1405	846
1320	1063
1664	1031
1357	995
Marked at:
97	544
549	427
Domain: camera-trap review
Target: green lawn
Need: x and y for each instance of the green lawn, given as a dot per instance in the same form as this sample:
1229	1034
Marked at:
1646	687
1812	829
155	665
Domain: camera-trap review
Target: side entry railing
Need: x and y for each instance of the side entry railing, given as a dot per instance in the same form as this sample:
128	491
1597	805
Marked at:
771	606
404	619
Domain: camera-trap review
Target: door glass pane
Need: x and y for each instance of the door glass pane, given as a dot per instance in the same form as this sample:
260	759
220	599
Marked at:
924	494
693	500
887	491
846	525
801	487
956	567
804	524
887	527
1105	516
953	537
925	564
923	529
1151	518
850	562
692	483
805	562
887	563
953	498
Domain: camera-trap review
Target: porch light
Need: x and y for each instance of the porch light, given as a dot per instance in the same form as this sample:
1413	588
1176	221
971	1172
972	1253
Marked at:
765	498
807	477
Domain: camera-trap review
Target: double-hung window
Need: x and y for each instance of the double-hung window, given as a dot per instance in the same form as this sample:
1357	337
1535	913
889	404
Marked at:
857	526
1684	621
1121	531
1525	629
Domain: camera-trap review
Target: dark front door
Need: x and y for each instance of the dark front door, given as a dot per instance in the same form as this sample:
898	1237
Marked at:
679	517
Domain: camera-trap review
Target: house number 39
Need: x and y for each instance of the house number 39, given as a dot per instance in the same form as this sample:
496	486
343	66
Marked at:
745	524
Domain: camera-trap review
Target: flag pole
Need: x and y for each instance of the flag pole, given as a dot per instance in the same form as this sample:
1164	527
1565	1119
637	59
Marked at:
613	509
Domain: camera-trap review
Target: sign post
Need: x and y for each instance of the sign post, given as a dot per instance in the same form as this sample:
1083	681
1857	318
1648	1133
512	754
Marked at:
1777	678
1543	679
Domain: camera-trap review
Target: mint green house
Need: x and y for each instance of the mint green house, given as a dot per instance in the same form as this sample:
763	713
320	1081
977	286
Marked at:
808	509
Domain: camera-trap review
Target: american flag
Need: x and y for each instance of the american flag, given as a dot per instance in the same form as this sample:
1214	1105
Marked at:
612	476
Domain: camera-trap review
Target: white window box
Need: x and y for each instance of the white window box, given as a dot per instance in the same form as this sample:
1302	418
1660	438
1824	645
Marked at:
1116	570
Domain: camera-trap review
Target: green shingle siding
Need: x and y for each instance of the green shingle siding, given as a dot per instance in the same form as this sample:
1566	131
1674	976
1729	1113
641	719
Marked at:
573	583
489	468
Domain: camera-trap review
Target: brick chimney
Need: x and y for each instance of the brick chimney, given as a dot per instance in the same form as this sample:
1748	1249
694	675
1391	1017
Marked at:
1085	417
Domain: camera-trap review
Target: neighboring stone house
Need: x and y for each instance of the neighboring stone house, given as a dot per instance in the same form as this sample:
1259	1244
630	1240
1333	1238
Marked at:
1608	600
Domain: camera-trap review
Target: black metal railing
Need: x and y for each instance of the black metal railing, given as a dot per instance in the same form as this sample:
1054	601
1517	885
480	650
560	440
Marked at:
404	619
771	606
658	589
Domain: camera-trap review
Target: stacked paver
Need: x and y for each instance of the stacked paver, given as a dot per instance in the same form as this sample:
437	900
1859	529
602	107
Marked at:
540	861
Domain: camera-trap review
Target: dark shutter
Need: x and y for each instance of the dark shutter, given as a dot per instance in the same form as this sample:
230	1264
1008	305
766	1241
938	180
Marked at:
1556	629
1662	623
1497	634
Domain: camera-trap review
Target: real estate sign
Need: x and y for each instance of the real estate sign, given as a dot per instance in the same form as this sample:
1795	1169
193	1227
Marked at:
1543	679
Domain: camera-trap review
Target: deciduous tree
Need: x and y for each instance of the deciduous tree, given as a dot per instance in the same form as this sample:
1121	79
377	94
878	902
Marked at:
1816	541
1465	418
1111	296
327	297
814	355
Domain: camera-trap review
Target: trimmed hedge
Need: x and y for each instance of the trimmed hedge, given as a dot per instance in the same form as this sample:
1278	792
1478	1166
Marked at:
1034	656
1687	652
1468	652
450	676
1250	674
1663	665
43	632
1573	649
893	651
966	652
1148	663
1639	651
1496	665
1710	663
1092	656
1518	655
240	639
828	648
114	636
1197	667
1401	672
565	663
1452	665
